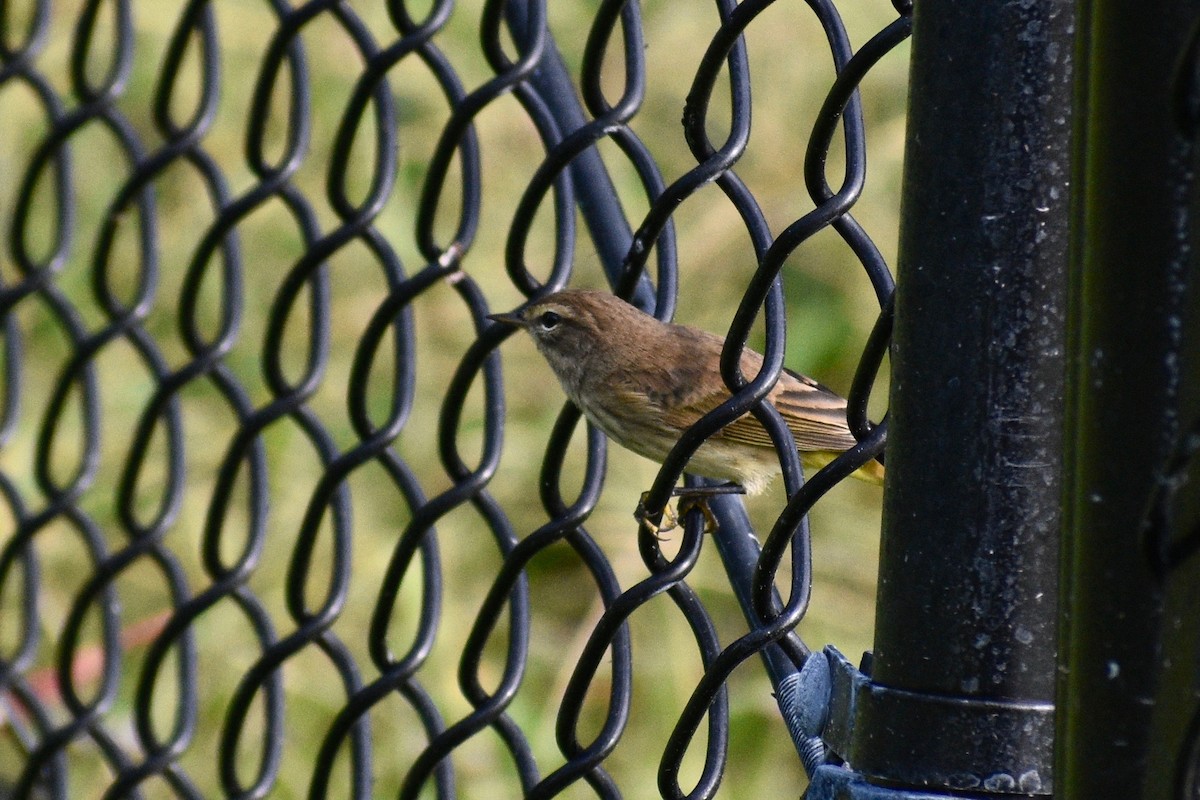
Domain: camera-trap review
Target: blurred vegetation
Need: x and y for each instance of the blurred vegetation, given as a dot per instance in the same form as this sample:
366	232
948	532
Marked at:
831	309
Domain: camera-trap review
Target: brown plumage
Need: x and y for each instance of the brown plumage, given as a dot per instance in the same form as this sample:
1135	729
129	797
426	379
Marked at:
643	382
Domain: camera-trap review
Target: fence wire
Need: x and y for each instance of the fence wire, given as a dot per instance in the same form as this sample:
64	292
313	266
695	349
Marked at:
268	473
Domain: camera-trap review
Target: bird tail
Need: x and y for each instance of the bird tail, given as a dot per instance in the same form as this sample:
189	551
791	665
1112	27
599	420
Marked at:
870	472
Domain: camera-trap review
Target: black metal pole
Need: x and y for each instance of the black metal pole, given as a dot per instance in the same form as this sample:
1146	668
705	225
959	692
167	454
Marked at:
1130	714
960	694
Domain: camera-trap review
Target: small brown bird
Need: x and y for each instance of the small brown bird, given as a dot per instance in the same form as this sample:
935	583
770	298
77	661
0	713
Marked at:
643	382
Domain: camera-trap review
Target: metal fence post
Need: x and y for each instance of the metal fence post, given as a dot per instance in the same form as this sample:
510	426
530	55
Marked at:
960	693
1130	725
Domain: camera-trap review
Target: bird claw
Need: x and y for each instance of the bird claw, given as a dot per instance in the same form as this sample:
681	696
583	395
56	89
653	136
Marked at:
689	502
670	520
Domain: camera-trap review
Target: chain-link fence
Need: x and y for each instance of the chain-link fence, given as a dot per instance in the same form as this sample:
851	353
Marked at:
286	516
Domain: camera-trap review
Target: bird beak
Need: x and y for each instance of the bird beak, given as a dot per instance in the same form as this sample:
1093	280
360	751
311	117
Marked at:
513	319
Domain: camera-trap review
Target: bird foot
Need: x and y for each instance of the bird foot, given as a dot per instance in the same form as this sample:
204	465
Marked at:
690	498
669	520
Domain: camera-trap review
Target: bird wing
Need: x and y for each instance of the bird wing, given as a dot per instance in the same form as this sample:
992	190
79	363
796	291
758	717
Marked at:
685	387
815	415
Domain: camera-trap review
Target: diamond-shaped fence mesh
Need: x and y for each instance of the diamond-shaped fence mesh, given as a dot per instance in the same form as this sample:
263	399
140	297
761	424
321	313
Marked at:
284	515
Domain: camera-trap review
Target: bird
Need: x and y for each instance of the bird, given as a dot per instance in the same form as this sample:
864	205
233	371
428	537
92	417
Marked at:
643	382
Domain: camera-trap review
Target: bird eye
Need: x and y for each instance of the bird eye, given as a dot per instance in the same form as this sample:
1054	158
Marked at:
548	320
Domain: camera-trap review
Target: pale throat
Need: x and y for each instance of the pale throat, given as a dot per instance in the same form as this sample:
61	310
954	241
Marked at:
571	372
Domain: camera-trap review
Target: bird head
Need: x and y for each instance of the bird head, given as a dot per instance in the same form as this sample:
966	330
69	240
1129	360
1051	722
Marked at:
571	328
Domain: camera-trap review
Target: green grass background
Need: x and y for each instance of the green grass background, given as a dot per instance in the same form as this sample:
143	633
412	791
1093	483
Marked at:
831	309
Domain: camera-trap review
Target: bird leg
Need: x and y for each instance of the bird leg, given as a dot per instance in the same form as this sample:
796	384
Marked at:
690	498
